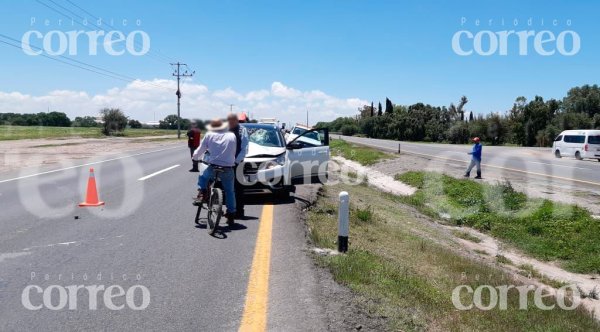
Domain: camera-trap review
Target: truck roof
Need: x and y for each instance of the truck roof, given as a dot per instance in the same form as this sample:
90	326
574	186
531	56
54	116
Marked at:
581	131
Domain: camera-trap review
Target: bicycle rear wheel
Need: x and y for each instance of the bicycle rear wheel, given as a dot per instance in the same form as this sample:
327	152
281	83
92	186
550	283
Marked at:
215	210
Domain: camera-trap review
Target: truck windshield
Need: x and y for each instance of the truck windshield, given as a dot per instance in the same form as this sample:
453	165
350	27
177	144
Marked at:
268	137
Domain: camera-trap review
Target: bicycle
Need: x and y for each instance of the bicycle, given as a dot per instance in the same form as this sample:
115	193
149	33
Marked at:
214	204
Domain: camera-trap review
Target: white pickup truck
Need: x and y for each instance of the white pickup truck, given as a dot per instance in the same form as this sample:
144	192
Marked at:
276	165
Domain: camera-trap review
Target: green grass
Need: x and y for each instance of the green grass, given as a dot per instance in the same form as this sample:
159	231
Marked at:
408	278
529	271
503	260
466	236
363	155
24	132
364	214
541	228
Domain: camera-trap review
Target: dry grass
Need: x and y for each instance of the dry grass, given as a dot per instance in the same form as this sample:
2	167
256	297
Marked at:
407	268
26	132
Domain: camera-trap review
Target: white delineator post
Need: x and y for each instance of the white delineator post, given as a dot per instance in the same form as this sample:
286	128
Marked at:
343	221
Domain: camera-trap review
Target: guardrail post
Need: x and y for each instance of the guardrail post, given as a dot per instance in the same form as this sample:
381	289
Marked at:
343	221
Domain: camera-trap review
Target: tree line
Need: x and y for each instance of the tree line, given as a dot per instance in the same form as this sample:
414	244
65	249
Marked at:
50	119
533	122
116	118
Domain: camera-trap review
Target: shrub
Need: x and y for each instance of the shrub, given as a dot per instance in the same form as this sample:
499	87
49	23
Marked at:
135	124
349	130
114	121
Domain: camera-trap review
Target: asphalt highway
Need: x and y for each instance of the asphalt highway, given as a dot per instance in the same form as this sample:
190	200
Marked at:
255	275
528	161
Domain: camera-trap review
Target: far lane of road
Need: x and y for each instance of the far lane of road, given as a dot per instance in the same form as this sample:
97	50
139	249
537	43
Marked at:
529	161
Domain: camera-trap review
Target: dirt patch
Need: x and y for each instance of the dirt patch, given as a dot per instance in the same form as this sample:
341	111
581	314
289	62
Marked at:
21	154
375	178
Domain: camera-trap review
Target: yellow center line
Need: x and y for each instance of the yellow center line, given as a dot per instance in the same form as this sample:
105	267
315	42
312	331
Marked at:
257	294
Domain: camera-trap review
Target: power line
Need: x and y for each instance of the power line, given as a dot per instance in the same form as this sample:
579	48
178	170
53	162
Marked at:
151	55
68	63
80	64
158	54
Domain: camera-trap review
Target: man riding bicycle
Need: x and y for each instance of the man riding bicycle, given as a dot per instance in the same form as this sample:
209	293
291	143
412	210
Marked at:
220	144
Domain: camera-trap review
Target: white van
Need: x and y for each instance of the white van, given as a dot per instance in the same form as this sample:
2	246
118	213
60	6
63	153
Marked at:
577	143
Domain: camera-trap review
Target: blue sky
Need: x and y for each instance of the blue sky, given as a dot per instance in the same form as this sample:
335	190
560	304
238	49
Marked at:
347	49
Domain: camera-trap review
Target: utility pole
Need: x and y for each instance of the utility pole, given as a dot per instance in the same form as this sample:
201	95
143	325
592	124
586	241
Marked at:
178	74
307	117
231	108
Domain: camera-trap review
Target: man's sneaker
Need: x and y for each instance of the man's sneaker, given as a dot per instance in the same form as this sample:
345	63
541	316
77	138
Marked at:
478	177
202	197
230	218
239	214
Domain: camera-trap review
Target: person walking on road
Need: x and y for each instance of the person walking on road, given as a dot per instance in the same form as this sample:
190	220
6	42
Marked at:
193	143
475	158
241	149
220	144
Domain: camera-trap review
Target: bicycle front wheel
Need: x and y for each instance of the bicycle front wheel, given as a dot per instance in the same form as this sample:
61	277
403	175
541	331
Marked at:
215	210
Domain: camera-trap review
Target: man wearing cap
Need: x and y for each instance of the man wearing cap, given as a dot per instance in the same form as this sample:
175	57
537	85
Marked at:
219	145
475	158
241	149
193	143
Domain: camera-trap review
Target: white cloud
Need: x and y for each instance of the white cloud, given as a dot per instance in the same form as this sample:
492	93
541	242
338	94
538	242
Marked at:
280	90
144	100
257	95
228	94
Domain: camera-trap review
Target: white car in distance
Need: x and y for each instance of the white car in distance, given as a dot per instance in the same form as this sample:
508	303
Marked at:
580	144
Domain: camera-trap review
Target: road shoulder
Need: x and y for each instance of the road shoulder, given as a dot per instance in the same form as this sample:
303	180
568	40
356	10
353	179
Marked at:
303	295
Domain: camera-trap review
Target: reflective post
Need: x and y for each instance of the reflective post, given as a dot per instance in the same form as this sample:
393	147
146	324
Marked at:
343	221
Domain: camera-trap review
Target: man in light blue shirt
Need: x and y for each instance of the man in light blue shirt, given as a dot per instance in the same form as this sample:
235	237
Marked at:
475	158
219	144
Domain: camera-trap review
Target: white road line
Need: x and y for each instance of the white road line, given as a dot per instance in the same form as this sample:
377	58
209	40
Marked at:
156	173
488	165
537	162
86	164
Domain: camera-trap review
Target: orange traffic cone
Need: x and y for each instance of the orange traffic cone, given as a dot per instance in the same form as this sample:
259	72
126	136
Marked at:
91	198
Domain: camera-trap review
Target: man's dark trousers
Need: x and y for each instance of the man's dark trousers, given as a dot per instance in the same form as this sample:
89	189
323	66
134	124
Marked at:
239	191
